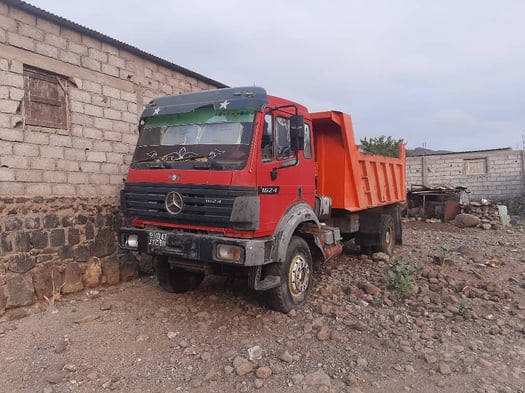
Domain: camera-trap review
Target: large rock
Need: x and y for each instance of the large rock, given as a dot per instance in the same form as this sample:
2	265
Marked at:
46	280
92	277
21	263
110	271
20	291
72	278
317	378
3	300
464	220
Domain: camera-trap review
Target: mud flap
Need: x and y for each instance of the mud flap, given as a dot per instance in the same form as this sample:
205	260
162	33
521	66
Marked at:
255	282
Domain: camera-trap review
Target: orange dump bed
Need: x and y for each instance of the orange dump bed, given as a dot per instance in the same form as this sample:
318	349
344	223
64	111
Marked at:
354	180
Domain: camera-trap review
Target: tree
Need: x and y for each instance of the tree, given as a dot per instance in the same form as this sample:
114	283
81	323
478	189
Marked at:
382	145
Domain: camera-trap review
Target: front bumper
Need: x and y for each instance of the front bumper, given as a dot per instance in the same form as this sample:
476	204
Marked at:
197	247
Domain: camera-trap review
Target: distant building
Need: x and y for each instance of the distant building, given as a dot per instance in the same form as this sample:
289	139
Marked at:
496	174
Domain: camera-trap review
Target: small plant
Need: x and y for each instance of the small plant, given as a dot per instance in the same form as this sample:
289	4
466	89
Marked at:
57	291
377	301
401	277
464	308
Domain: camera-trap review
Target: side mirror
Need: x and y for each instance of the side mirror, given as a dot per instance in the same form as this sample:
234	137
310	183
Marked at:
297	132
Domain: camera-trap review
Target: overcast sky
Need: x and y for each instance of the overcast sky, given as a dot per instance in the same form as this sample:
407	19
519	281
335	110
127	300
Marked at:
441	74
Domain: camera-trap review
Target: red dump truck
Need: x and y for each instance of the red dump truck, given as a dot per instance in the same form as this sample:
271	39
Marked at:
235	180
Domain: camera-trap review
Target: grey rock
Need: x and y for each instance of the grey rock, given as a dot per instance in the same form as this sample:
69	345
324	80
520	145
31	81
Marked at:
465	220
317	378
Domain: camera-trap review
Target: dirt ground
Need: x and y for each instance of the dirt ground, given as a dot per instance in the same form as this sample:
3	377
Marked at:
460	329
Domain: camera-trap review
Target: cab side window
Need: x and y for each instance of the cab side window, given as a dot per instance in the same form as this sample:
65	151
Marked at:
267	139
282	138
307	142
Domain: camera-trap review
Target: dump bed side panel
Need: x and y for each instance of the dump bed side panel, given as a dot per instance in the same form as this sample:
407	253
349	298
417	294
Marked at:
354	180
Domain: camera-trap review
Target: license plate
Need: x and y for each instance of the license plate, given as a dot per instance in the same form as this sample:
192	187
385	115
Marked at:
157	239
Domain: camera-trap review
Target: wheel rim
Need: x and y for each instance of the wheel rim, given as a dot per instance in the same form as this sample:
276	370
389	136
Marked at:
299	276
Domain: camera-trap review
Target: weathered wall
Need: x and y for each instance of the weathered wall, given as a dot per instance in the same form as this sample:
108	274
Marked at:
503	178
59	187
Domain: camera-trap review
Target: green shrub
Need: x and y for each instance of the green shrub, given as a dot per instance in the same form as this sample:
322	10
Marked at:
402	277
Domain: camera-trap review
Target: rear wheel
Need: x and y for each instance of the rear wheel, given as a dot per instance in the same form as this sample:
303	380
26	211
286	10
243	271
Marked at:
176	280
387	235
296	277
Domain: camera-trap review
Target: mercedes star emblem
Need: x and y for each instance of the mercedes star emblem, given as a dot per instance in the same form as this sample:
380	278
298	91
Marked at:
174	202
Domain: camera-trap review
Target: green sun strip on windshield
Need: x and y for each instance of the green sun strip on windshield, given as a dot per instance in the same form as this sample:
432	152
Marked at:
201	116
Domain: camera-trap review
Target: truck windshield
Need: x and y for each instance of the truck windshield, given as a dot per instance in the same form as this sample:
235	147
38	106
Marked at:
189	140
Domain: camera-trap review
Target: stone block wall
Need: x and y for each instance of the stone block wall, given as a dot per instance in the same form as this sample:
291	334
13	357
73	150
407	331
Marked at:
503	177
59	186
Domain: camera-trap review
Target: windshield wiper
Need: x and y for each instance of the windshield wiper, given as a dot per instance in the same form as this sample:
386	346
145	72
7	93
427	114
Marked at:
156	162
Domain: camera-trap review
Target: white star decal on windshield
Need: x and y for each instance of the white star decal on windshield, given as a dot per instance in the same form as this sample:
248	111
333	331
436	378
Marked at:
156	111
224	104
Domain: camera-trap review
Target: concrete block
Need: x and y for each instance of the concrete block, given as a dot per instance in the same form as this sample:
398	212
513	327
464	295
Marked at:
110	169
52	151
63	189
93	167
10	186
75	155
47	26
60	140
82	119
16	94
36	137
42	163
46	50
69	57
115	158
30	31
10	134
93	110
90	63
55	40
92	87
6	148
54	177
96	156
15	162
104	146
26	150
11	79
118	105
112	136
20	41
98	55
80	95
9	106
98	178
92	133
110	92
6	175
81	143
28	175
112	114
110	70
91	42
116	61
102	123
67	165
77	178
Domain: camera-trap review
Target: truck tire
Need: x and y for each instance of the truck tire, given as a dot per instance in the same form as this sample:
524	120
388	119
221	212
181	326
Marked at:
175	280
296	277
387	235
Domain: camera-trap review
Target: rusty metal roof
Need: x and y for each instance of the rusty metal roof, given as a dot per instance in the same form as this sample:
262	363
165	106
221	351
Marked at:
102	37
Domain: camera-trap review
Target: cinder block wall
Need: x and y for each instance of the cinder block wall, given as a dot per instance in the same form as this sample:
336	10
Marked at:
59	187
503	178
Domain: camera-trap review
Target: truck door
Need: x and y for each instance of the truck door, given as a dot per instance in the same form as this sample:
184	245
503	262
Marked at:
284	176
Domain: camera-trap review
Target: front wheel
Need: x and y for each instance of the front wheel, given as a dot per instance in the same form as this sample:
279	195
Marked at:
176	280
296	277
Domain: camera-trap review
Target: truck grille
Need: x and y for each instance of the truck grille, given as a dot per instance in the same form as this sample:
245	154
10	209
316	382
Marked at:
203	204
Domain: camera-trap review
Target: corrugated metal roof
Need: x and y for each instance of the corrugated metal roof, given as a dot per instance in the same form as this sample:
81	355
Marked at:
102	37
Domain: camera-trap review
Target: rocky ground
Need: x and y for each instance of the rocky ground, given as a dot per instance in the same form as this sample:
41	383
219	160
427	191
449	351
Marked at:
461	328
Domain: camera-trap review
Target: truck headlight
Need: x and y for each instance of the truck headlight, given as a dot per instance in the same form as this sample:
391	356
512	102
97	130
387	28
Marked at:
228	252
130	241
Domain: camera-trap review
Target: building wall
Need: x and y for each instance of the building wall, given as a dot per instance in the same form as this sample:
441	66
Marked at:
496	174
59	187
